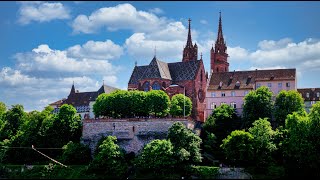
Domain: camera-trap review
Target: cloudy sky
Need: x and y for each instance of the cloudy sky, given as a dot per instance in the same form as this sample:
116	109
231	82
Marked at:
46	46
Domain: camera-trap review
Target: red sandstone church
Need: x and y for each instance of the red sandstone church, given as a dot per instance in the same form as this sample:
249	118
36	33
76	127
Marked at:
173	78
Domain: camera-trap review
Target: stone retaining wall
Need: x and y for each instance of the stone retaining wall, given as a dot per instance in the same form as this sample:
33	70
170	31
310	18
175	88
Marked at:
131	135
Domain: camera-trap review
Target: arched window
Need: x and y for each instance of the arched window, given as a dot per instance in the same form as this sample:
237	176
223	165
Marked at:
156	86
146	86
201	76
217	70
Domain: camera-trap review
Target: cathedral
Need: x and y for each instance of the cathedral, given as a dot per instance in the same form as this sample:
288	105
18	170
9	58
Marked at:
187	77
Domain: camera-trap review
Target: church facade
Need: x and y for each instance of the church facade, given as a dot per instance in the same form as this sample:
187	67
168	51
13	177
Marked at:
185	77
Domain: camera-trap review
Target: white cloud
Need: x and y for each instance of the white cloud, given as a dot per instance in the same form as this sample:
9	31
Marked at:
81	60
156	11
96	50
110	80
141	47
203	21
11	77
42	12
284	53
122	16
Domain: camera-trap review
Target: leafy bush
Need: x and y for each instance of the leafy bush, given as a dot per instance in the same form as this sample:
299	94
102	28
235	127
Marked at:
205	172
76	153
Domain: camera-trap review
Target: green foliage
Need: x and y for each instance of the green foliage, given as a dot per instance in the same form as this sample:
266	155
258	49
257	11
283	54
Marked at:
286	103
13	118
179	104
238	147
299	150
157	157
186	145
64	127
220	124
101	106
158	102
75	154
138	106
205	172
257	104
3	109
109	162
263	145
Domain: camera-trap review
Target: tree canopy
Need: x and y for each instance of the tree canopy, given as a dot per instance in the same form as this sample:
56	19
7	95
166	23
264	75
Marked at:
179	104
257	104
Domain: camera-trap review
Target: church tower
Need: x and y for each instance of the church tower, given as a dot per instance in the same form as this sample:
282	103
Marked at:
218	55
190	52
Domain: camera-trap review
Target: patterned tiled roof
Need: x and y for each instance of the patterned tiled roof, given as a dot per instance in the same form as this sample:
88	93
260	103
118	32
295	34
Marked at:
312	94
247	79
158	69
83	98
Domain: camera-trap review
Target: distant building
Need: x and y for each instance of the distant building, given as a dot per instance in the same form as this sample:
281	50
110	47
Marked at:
226	87
82	101
231	87
310	96
173	78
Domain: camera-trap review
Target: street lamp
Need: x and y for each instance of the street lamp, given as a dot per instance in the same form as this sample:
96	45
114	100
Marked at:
184	98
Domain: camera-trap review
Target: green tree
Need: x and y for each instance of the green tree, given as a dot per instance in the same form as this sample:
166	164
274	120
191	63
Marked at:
186	145
257	104
3	109
64	127
13	118
109	162
158	102
138	103
157	157
178	103
314	137
286	103
238	147
76	154
219	124
101	106
263	145
298	149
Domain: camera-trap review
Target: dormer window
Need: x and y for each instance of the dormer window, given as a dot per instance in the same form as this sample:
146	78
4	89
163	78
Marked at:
220	84
307	95
318	94
238	83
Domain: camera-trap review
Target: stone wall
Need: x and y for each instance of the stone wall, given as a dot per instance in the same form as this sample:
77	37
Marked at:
131	135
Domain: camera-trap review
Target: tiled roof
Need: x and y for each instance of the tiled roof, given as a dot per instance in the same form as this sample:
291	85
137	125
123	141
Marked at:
84	98
58	103
81	98
173	71
247	79
312	94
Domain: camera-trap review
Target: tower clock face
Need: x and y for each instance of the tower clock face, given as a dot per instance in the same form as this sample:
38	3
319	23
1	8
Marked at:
201	95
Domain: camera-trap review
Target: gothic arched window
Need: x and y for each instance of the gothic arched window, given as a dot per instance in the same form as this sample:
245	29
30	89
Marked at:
156	86
146	86
217	70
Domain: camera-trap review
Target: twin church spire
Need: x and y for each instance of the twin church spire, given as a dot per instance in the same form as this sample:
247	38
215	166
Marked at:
190	52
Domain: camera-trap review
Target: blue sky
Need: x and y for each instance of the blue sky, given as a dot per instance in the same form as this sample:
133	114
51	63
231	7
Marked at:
45	46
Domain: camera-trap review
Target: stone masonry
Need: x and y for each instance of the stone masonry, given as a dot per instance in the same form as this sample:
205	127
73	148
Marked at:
131	135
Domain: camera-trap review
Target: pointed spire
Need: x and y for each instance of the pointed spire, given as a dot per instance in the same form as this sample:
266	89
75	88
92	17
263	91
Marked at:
201	56
135	63
189	41
155	51
103	82
73	90
220	39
